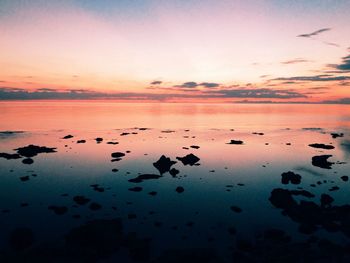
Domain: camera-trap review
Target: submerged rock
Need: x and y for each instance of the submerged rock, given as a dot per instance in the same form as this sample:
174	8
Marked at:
28	161
163	164
81	200
58	210
322	161
189	159
143	177
236	209
95	206
321	146
179	189
24	178
136	189
290	177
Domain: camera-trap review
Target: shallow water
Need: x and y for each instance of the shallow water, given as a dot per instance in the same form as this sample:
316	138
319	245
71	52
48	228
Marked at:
226	175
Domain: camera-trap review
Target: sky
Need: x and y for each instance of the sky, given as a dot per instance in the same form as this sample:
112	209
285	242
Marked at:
206	51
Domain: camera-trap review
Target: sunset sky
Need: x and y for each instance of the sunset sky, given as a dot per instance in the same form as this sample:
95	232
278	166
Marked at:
220	51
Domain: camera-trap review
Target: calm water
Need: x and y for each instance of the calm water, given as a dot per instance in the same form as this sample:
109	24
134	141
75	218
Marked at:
227	207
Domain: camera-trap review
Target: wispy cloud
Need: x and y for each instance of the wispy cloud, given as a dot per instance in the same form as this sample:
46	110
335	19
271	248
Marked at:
338	101
264	93
295	61
156	82
315	33
228	92
193	84
345	64
314	78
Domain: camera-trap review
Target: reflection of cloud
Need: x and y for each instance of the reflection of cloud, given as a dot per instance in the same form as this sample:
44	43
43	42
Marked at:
345	146
308	170
10	134
315	33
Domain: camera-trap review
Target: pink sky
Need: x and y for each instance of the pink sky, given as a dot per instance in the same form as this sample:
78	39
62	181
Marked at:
240	45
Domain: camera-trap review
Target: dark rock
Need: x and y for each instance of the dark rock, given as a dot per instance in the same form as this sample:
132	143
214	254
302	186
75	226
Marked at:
28	161
290	177
113	143
97	188
235	142
334	188
163	164
81	141
143	177
68	136
153	193
345	178
24	178
58	210
167	131
321	146
136	189
117	155
326	200
173	172
194	146
81	200
10	156
322	161
236	209
179	189
95	206
33	150
189	159
282	198
277	235
336	135
98	139
114	170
